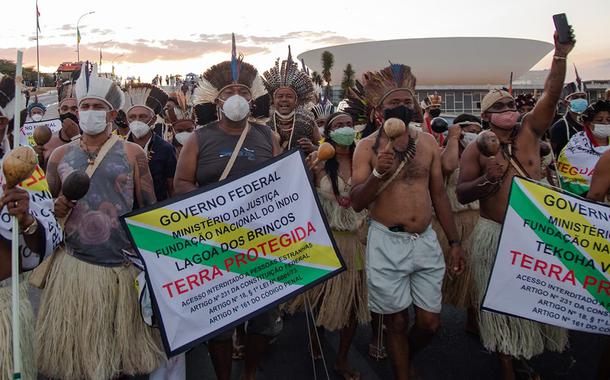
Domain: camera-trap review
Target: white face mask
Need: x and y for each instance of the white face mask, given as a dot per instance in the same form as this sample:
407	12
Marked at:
182	137
92	122
139	128
236	108
36	117
601	130
415	126
468	137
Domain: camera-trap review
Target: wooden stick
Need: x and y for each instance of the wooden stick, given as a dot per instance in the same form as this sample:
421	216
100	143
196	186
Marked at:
15	232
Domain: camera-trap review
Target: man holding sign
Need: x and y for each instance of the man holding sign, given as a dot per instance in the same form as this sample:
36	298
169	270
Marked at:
488	179
231	147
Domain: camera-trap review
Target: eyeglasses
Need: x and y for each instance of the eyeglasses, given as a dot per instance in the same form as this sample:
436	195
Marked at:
503	106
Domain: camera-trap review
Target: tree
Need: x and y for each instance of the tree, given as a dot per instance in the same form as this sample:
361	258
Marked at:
29	74
348	80
328	60
316	78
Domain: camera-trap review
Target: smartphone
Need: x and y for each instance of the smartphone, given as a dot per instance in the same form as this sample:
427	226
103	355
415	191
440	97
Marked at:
562	27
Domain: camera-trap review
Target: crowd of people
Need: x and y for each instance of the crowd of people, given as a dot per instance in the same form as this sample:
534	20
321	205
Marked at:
416	218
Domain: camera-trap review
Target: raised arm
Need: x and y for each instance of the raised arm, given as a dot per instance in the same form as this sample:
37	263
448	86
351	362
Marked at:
539	120
450	156
186	169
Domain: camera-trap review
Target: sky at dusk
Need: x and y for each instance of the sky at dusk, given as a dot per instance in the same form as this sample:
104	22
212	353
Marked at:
184	36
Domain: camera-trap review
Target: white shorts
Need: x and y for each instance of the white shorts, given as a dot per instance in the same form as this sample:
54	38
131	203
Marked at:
403	268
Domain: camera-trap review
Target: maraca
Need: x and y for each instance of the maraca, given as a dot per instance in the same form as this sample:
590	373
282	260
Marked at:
394	128
18	165
42	135
545	148
488	143
75	185
325	152
439	125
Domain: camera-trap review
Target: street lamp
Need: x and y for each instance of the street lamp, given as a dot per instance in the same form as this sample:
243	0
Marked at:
101	47
112	62
78	35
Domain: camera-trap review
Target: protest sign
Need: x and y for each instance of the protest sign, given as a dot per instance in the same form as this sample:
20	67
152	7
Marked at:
220	255
553	260
27	131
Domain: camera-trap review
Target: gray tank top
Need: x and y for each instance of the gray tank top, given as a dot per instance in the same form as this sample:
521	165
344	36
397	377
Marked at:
93	232
216	147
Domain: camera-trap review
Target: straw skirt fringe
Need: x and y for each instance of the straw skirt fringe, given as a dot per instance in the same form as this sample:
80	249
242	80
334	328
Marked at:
512	336
28	364
89	324
343	295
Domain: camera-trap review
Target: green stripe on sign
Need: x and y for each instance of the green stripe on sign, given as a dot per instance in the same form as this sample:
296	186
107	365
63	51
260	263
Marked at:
523	205
151	240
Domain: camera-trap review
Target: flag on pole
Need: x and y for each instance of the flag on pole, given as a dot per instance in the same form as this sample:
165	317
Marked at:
37	16
77	35
578	80
510	84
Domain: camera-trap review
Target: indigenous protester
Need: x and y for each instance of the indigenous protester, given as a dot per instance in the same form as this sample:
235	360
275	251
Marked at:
488	179
179	119
458	290
290	89
228	148
39	235
143	103
321	111
525	103
341	301
68	114
36	111
400	186
90	287
575	100
577	160
432	108
120	126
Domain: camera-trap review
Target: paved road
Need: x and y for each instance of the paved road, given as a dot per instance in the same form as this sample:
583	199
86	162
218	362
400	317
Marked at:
452	355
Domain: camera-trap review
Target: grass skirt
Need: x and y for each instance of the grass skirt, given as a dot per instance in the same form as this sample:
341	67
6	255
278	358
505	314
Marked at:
457	290
89	324
517	337
28	365
343	295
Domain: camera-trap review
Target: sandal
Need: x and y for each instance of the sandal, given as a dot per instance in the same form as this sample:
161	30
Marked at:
523	371
377	353
238	352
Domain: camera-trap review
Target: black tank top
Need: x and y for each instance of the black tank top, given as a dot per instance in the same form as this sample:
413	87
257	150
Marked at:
216	147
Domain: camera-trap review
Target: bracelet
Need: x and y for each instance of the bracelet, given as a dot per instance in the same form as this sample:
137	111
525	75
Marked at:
377	174
31	229
559	58
488	182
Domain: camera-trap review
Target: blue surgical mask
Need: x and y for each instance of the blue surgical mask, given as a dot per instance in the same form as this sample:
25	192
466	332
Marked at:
578	105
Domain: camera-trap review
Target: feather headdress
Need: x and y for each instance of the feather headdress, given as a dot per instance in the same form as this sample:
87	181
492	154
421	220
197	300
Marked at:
287	74
145	95
431	100
91	86
7	97
322	110
66	90
369	93
227	73
181	111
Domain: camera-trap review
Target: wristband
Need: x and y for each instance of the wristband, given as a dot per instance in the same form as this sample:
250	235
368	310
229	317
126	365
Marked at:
559	58
377	174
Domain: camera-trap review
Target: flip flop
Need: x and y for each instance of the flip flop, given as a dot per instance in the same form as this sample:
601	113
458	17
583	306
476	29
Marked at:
238	352
377	353
347	373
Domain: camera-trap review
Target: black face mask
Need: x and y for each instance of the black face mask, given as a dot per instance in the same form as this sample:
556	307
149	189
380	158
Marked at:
401	112
68	115
435	112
